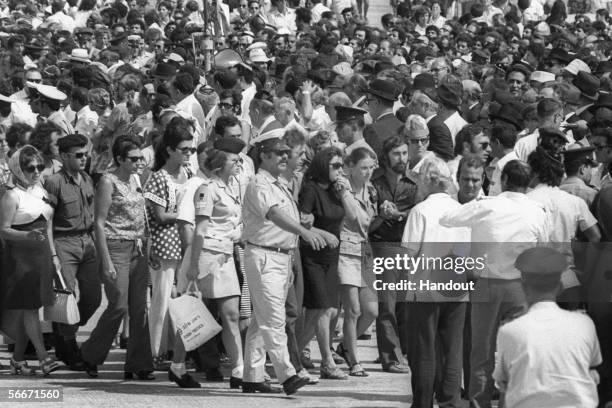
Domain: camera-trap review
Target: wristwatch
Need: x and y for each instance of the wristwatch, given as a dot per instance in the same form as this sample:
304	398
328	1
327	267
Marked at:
401	218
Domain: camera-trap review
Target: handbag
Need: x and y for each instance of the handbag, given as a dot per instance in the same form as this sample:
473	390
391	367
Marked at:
64	309
191	320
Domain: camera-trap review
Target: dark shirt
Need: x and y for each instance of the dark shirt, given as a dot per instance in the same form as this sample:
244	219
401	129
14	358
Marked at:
404	198
328	213
73	202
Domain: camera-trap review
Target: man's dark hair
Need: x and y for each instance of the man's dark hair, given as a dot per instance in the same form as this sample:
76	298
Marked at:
466	135
16	135
517	174
549	170
506	135
224	122
389	144
472	162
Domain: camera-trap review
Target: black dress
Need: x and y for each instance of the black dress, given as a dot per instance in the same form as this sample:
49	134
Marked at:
320	268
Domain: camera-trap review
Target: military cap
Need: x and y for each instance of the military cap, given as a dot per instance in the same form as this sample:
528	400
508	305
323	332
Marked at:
582	154
346	113
541	265
68	142
273	143
229	144
50	92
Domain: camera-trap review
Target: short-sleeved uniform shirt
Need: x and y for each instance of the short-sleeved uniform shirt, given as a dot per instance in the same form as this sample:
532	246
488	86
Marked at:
221	203
161	190
72	201
263	193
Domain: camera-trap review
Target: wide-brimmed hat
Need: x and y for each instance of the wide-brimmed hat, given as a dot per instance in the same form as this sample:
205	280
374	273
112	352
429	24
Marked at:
163	70
258	55
450	91
507	113
588	84
384	89
79	55
603	101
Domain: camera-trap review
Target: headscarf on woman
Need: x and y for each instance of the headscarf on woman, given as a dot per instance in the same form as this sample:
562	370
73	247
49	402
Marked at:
19	177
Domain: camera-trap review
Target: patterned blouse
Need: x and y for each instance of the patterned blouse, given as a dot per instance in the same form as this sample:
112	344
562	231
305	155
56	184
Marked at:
161	190
126	214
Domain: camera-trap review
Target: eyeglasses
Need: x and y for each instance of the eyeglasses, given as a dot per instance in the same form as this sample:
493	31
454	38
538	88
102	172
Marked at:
36	81
418	141
279	152
484	145
79	155
135	159
32	169
223	105
336	166
187	150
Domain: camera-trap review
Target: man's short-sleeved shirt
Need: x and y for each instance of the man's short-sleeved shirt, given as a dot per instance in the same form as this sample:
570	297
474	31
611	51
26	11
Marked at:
263	193
72	202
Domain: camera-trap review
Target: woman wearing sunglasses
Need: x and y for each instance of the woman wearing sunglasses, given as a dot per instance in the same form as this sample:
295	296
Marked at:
119	227
27	279
163	192
323	195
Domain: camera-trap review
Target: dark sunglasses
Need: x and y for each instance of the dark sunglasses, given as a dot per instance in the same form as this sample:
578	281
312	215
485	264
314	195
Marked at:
135	159
32	169
336	166
418	141
187	150
36	81
280	152
79	155
223	105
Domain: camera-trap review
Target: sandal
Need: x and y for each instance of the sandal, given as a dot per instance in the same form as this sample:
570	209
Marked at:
21	368
358	371
328	373
49	365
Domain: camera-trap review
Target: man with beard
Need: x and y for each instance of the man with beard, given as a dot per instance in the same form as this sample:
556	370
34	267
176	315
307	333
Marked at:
396	190
471	141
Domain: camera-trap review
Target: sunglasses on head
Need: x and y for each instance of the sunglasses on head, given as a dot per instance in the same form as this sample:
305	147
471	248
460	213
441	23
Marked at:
135	159
187	150
33	168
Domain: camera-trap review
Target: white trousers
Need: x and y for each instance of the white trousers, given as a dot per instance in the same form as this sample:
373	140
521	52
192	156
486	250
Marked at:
162	280
267	274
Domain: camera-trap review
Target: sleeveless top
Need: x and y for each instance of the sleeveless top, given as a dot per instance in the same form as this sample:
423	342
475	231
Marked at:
32	203
126	214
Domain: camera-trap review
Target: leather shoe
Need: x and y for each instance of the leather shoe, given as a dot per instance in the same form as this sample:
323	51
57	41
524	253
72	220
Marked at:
253	387
235	383
184	381
91	369
396	368
214	375
294	383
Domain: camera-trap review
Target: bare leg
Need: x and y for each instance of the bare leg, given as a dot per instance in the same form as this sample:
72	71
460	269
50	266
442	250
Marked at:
352	311
21	338
31	323
228	309
323	336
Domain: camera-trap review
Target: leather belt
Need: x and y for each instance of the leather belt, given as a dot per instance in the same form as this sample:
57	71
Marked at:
273	249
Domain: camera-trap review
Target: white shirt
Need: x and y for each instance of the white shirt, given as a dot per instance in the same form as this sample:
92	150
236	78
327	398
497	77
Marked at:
417	167
285	21
65	22
319	119
191	106
567	213
497	222
545	359
186	206
86	122
527	144
424	236
247	97
495	187
455	123
316	12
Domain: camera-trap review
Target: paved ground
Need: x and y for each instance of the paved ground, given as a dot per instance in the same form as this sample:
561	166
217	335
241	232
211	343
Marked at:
110	390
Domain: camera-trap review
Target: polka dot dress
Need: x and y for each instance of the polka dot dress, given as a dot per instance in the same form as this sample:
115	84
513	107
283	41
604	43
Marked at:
165	240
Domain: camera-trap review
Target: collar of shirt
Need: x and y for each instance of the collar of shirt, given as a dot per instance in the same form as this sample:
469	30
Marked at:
543	305
408	175
70	178
382	115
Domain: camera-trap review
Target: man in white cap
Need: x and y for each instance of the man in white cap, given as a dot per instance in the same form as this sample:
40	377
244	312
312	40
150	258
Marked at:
258	57
48	107
547	357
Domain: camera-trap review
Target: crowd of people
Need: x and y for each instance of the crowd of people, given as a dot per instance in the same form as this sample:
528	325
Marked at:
263	152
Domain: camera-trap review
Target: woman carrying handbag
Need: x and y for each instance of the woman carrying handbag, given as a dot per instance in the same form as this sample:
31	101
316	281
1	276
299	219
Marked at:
28	285
119	227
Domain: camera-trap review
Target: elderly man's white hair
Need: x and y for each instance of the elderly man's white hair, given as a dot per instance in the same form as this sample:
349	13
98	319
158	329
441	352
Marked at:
434	177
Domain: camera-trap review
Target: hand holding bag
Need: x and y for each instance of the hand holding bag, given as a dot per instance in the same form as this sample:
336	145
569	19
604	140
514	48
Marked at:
65	309
191	320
